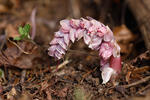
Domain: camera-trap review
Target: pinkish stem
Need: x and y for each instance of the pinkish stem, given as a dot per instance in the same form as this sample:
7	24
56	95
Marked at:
33	21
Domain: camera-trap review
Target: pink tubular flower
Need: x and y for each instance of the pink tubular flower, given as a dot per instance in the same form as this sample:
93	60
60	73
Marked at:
96	35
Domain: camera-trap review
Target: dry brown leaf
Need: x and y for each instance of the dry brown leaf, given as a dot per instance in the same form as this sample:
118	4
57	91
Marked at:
123	34
11	31
124	38
139	66
16	3
3	8
14	56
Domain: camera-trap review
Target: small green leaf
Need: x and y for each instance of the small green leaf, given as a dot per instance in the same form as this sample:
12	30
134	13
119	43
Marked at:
17	38
20	31
27	28
24	32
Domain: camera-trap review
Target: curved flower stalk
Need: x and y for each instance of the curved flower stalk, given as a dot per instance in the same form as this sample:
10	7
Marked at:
96	35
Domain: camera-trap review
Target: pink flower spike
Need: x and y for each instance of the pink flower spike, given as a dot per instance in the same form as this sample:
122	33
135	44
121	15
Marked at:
96	35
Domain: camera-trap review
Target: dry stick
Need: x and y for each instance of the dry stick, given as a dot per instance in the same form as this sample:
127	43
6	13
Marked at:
137	82
19	47
61	65
53	68
143	89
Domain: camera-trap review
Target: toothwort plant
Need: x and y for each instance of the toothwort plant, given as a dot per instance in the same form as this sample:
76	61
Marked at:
96	35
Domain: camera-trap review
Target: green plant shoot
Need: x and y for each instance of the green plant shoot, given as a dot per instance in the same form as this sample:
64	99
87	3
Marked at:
24	32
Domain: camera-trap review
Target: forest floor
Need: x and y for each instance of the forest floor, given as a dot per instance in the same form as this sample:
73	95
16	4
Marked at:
28	73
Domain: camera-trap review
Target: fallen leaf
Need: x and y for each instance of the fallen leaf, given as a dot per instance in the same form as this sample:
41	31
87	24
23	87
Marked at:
16	3
23	54
3	8
124	37
11	31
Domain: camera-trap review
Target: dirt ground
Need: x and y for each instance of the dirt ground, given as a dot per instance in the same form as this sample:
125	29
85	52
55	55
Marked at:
28	73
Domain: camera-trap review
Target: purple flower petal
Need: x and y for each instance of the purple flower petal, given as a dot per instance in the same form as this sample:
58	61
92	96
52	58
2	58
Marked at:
87	38
106	50
79	33
65	25
72	34
95	43
59	34
66	39
62	43
109	35
75	23
60	49
107	72
58	55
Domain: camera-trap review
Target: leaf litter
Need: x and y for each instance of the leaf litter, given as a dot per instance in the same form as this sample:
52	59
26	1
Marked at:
77	74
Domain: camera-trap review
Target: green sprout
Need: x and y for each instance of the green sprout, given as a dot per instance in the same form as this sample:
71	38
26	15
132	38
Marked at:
24	32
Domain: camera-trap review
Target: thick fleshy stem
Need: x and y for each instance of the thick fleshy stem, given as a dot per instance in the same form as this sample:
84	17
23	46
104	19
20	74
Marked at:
96	35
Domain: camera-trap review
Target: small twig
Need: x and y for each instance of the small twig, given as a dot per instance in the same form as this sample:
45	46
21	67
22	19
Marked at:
23	75
137	82
60	66
19	47
143	89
